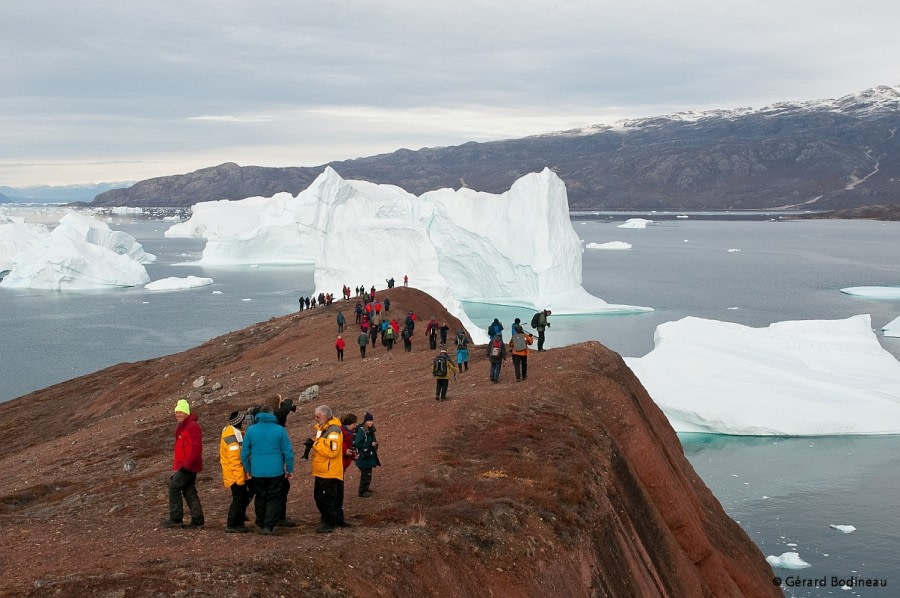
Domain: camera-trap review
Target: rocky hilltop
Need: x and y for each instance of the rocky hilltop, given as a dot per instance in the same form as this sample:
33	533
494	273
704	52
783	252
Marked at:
818	155
571	483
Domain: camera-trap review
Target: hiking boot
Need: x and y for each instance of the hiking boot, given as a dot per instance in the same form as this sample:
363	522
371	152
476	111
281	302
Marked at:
324	529
193	525
266	531
168	523
365	494
287	523
237	530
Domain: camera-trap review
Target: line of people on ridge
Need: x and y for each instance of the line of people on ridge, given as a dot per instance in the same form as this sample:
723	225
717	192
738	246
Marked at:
257	460
326	299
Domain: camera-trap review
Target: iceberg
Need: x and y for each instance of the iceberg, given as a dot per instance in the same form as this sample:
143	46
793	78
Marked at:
873	292
175	283
610	245
635	223
79	254
793	378
517	248
788	560
892	328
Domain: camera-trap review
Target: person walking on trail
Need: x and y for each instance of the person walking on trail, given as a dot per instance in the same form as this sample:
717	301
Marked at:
339	345
187	463
366	446
407	339
327	466
495	328
540	326
268	458
443	330
431	331
462	350
518	346
341	320
362	340
442	368
496	353
233	474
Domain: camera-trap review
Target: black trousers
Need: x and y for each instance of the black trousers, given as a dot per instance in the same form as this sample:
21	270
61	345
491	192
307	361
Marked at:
182	484
520	362
267	503
326	492
285	488
365	479
440	388
540	340
237	512
340	503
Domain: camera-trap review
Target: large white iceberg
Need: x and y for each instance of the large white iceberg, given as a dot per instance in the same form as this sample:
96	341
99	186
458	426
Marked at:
80	253
516	248
804	378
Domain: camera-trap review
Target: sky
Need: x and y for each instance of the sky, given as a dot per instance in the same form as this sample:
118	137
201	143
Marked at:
102	91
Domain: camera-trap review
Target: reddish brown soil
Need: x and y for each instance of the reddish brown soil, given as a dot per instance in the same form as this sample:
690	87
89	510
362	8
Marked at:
571	483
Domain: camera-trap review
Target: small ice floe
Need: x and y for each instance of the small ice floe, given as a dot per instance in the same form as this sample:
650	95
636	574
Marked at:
847	529
734	251
175	283
733	308
247	299
217	292
635	223
788	560
687	240
610	245
681	216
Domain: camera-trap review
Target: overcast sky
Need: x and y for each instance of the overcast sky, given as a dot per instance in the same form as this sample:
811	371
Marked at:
96	91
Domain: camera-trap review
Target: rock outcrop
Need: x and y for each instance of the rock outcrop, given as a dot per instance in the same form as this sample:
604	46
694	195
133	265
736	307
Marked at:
571	483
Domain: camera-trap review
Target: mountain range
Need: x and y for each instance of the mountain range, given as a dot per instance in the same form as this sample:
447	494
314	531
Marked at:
816	155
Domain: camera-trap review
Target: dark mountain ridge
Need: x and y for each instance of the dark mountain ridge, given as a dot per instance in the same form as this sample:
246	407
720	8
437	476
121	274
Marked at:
820	155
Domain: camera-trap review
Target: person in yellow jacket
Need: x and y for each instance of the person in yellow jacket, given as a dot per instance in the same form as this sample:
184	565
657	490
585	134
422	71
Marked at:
233	474
327	466
518	346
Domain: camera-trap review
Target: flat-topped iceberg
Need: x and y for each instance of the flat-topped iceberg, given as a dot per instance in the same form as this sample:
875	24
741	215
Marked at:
176	283
516	248
794	378
79	254
873	292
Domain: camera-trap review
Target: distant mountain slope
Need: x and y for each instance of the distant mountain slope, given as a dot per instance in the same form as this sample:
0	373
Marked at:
57	194
826	154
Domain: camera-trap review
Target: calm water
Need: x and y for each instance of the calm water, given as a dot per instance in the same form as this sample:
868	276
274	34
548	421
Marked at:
783	491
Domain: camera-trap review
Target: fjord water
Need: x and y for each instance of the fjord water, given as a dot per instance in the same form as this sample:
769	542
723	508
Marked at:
784	492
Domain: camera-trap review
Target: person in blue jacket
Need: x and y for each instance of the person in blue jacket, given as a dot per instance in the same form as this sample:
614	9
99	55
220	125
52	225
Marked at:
268	458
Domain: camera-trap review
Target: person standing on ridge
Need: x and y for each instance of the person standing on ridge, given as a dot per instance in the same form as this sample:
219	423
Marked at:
327	466
405	280
431	331
340	321
462	350
233	474
268	457
362	340
366	446
541	325
187	463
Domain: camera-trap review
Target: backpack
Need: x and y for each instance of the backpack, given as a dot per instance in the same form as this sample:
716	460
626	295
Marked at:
389	333
406	333
461	339
519	342
440	366
496	349
535	319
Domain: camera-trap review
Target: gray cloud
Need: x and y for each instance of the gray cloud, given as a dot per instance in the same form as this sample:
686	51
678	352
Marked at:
124	90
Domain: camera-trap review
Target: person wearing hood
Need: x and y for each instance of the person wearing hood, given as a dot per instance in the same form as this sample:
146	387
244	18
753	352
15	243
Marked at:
268	458
233	474
187	463
495	328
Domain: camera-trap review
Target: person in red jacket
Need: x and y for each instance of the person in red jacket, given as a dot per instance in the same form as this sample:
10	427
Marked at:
187	463
339	345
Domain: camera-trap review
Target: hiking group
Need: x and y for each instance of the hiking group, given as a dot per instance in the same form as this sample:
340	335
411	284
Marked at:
257	459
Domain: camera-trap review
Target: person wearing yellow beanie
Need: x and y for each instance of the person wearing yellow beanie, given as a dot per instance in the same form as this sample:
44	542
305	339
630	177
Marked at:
187	463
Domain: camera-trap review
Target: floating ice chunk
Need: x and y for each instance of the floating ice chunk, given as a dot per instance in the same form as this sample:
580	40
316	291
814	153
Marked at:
892	328
874	292
847	529
609	245
175	283
804	378
635	223
788	560
734	251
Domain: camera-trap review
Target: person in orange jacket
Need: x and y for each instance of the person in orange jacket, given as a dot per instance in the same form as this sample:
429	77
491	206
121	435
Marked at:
327	466
233	474
518	347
